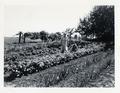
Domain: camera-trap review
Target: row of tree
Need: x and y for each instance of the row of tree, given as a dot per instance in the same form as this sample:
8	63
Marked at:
99	25
43	35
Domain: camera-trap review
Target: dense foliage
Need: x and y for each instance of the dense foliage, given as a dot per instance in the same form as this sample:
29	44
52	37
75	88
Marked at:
15	69
88	68
99	24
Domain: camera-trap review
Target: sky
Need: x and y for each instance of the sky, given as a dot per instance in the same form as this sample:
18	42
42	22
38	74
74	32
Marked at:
50	16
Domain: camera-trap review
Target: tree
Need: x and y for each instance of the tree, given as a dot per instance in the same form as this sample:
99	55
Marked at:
35	35
84	27
58	35
44	36
99	23
24	36
102	19
20	35
54	36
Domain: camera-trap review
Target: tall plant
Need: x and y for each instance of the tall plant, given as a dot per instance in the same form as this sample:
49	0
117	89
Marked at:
64	41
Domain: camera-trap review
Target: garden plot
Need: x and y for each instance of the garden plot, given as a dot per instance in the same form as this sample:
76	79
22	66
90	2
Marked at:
88	68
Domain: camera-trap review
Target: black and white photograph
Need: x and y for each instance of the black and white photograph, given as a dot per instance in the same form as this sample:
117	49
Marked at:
59	44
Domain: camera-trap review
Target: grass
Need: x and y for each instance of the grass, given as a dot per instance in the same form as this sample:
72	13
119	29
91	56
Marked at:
14	40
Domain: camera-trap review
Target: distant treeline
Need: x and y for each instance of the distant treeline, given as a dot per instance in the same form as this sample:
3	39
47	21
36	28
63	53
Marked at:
98	25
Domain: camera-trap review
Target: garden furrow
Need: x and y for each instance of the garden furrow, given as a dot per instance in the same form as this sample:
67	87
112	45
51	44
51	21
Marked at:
54	75
82	78
29	66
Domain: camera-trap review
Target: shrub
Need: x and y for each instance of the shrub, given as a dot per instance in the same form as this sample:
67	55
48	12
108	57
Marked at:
54	44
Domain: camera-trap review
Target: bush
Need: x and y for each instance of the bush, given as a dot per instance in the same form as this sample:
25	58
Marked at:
54	44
